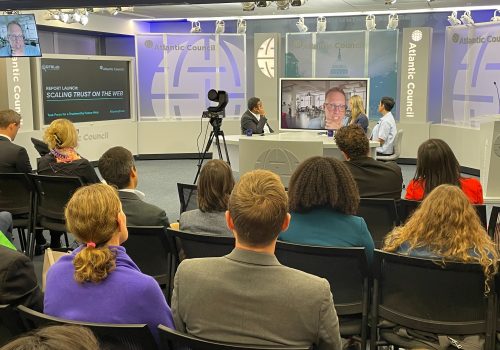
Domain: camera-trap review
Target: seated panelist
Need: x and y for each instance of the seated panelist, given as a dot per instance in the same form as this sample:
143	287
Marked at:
255	118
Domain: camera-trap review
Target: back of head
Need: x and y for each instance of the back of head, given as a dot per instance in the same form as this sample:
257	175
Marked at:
323	182
61	133
8	117
352	141
258	207
214	186
253	102
91	215
388	103
115	166
56	338
357	107
447	225
436	165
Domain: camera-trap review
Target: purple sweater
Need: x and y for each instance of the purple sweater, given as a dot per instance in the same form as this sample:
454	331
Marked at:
125	296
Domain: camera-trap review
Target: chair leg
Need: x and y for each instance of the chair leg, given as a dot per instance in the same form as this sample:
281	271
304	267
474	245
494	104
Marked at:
66	239
22	239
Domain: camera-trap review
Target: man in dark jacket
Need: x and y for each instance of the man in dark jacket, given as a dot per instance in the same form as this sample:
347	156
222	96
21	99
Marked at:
13	158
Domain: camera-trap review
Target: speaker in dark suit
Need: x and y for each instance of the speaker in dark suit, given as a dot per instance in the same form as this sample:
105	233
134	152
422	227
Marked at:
249	119
13	158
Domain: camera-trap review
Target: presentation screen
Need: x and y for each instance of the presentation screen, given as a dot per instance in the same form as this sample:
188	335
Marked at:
85	90
319	104
18	36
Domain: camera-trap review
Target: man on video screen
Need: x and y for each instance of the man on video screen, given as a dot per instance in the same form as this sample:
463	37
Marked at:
15	42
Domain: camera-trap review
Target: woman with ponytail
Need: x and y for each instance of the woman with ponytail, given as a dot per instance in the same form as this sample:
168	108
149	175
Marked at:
99	282
63	160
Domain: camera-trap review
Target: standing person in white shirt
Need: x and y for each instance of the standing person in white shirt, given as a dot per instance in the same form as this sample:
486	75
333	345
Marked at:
385	130
255	118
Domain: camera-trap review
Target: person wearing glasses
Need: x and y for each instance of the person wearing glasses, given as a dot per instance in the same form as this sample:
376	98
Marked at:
16	45
335	107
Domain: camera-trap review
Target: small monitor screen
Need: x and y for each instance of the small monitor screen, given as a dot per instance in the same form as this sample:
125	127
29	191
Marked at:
19	36
319	104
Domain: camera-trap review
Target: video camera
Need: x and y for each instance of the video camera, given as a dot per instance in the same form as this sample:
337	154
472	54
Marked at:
216	111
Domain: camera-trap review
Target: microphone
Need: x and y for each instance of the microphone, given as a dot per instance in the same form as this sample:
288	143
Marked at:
498	96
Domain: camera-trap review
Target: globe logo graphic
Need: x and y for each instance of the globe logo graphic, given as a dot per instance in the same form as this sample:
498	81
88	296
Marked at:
265	58
455	38
416	35
280	161
148	44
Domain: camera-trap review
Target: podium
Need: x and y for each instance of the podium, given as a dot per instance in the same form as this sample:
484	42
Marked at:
490	158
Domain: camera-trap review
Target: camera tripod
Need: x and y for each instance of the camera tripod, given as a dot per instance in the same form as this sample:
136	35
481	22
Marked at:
216	132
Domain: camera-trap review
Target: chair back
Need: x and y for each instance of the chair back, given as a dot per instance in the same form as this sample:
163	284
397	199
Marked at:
346	270
406	208
110	336
188	196
398	140
10	324
53	193
202	246
380	215
173	340
481	212
427	295
15	193
150	249
494	225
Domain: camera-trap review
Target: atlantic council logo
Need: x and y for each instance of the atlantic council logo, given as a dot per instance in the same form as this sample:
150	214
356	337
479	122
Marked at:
455	38
148	44
265	58
417	35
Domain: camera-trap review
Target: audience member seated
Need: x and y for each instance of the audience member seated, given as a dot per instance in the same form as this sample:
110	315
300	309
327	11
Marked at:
437	165
248	297
358	116
56	338
99	282
18	284
375	179
323	201
13	158
117	168
445	226
214	188
62	139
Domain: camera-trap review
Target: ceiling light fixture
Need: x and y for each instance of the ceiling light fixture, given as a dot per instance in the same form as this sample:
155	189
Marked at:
496	16
282	4
248	6
220	26
114	10
321	24
195	27
241	26
262	3
467	18
297	2
370	22
301	25
390	2
453	20
393	21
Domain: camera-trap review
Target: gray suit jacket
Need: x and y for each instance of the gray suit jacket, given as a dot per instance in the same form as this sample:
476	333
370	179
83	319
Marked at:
249	121
140	213
247	297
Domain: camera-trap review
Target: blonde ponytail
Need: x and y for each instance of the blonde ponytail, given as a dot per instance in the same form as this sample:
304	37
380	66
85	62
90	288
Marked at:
94	264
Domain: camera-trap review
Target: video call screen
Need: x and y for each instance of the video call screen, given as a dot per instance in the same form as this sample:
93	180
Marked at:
304	106
83	90
19	36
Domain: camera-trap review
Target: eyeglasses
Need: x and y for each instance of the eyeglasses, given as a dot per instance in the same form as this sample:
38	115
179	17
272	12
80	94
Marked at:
334	107
15	37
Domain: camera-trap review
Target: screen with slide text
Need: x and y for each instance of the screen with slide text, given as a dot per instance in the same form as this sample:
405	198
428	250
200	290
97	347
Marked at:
84	90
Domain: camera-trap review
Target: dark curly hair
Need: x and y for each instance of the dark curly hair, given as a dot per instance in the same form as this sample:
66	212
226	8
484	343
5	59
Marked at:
320	182
352	141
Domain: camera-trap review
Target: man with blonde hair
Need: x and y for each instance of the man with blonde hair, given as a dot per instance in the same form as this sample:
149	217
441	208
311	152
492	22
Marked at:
247	297
13	158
